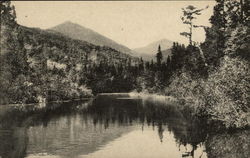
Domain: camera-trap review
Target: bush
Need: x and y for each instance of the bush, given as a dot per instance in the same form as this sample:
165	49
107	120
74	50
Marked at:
226	93
223	97
184	87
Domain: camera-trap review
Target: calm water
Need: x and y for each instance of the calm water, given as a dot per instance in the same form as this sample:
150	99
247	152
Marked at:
115	126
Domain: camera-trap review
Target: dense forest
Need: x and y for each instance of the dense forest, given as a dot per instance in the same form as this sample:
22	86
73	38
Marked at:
215	77
212	77
37	64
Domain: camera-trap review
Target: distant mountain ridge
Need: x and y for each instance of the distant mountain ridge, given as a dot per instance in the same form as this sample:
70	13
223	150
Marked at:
149	51
78	32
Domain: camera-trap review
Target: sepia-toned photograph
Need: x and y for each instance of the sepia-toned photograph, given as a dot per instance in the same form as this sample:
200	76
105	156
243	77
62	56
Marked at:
125	79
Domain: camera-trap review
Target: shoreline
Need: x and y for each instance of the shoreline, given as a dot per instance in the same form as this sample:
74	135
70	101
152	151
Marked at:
153	96
19	105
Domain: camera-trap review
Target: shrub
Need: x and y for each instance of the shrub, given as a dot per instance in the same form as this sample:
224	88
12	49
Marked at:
223	97
226	93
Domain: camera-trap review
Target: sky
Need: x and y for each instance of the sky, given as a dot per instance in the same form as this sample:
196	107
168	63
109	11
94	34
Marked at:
131	23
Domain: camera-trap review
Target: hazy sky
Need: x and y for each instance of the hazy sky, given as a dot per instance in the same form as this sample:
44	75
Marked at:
130	23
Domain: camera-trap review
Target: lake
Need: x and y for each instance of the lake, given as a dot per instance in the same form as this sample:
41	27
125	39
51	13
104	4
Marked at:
116	126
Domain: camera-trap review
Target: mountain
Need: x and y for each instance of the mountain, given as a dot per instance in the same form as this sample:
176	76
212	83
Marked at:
148	52
79	32
52	66
57	44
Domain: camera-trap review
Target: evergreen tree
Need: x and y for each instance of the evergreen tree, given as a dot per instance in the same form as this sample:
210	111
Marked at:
147	65
152	66
8	14
177	60
215	36
141	65
159	56
189	14
168	61
13	57
228	14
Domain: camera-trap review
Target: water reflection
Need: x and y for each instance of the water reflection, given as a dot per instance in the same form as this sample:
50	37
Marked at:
229	145
115	126
13	143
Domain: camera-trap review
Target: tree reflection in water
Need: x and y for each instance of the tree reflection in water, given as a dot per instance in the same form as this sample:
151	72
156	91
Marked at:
105	111
229	145
186	128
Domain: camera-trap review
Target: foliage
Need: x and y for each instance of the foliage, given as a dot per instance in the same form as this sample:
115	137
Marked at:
237	43
37	63
224	96
189	14
226	93
220	91
13	57
228	144
159	56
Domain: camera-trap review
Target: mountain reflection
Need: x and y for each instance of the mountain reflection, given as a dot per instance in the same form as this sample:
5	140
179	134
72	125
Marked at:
84	127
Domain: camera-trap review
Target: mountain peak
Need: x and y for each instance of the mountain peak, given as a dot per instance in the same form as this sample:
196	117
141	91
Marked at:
152	47
148	52
76	31
165	40
66	23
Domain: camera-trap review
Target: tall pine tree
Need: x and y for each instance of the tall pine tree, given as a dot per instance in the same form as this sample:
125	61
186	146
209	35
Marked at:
159	56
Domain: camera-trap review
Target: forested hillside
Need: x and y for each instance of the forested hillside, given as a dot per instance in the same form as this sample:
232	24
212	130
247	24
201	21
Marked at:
79	32
36	64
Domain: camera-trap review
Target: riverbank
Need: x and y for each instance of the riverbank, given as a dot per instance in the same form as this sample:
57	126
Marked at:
23	115
194	104
42	104
152	96
12	111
